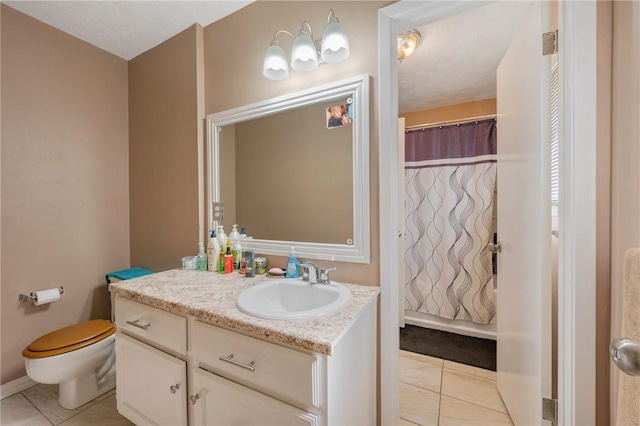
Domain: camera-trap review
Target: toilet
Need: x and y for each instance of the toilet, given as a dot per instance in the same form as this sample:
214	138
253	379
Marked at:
80	358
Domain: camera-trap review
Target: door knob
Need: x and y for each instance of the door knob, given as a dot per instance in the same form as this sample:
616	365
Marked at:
625	353
495	248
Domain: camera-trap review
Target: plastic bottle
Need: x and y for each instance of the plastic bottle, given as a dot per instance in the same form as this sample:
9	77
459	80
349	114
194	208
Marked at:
234	235
250	270
222	242
243	233
236	248
228	259
202	258
213	252
292	265
236	252
222	237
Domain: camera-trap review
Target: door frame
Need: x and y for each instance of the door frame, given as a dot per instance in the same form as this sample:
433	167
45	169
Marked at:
577	208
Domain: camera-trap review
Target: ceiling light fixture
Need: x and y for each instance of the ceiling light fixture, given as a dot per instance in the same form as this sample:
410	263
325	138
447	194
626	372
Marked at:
407	43
306	54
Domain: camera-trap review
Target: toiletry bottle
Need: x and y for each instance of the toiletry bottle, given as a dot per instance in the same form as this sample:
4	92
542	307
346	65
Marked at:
249	265
202	258
243	233
234	235
236	248
228	259
222	242
213	253
236	252
222	237
292	265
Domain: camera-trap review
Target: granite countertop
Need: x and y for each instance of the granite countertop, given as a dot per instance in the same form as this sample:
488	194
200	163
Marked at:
211	297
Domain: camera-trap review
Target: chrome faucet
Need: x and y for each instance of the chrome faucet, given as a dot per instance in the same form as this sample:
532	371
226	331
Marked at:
315	275
309	272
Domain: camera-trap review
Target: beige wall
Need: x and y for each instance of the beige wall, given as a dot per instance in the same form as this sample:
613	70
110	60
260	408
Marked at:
65	201
450	112
625	158
165	144
308	169
234	79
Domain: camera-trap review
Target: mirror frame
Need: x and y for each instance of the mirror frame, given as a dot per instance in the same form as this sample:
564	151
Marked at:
355	87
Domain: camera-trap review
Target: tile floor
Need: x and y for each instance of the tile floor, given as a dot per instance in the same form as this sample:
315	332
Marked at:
432	392
38	406
437	392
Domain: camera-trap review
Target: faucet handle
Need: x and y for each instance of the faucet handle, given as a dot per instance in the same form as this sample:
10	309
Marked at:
324	275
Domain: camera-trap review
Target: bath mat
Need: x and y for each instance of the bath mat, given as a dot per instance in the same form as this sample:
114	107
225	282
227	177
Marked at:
453	347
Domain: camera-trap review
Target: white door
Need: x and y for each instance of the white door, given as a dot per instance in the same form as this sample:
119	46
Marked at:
401	221
524	228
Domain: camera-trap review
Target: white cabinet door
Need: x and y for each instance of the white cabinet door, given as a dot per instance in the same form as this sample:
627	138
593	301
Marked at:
221	402
151	385
524	223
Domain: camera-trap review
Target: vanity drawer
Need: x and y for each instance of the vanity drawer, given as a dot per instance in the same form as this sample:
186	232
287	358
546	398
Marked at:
152	324
286	374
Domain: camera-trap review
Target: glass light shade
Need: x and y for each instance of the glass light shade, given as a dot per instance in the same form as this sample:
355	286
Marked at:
275	65
304	56
407	43
335	44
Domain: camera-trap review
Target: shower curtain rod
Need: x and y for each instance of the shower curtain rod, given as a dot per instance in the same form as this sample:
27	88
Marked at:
448	122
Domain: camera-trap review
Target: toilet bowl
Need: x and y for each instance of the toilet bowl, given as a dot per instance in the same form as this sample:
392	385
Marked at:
80	358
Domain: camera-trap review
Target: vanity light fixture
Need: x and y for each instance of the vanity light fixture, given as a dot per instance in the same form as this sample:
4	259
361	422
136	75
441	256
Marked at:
306	54
407	43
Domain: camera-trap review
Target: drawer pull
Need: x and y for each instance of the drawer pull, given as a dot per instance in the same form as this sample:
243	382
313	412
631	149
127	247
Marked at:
230	360
135	324
194	399
174	388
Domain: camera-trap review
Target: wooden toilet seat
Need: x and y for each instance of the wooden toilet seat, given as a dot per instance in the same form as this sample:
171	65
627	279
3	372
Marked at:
69	338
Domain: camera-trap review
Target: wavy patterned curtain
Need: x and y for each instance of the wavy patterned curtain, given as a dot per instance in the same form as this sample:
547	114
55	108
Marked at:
450	177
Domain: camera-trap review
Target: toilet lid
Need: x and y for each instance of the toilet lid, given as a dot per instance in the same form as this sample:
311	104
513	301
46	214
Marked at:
69	338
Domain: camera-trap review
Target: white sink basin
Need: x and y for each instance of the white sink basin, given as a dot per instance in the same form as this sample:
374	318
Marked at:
289	299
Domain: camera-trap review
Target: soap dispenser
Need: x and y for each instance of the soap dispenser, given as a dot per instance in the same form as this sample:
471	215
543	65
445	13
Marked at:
222	242
236	248
222	237
201	260
234	235
292	265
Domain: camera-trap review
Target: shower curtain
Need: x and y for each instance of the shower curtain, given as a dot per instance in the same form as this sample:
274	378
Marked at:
450	177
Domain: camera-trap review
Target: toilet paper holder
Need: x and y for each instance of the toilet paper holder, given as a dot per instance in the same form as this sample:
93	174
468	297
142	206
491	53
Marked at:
31	297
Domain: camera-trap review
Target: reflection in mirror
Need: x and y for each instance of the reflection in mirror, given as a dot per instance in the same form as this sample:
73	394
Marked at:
290	162
294	172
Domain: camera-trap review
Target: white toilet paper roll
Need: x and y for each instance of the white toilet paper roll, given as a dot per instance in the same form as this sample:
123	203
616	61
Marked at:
47	296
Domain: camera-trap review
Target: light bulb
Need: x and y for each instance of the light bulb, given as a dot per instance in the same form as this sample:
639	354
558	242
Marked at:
335	44
304	56
275	65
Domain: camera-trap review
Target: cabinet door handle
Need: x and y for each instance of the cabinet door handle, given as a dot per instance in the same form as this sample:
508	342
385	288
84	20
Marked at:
135	324
174	388
230	360
194	399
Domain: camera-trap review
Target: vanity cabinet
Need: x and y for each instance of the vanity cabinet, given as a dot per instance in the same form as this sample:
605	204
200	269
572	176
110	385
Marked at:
151	385
224	402
223	377
151	367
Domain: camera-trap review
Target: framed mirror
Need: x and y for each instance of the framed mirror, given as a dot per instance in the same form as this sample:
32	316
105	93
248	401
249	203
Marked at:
294	172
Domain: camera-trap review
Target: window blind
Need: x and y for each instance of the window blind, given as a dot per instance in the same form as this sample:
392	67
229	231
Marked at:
554	133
